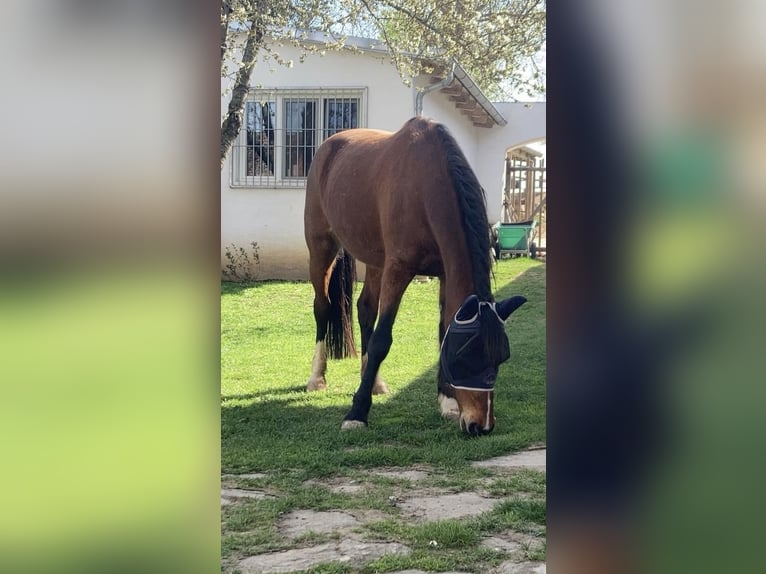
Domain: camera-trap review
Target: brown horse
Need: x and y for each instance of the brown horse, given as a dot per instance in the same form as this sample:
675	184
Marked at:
406	204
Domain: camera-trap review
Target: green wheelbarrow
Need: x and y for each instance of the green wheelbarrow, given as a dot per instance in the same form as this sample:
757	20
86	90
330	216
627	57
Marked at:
514	239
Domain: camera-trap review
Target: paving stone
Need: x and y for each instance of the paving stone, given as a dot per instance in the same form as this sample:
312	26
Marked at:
424	572
446	506
241	493
351	551
510	567
253	475
532	459
225	501
300	522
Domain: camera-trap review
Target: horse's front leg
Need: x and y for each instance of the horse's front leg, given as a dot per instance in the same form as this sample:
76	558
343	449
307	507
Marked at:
367	311
394	281
446	396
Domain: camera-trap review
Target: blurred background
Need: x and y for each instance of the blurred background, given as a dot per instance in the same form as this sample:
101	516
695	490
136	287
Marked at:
656	283
109	287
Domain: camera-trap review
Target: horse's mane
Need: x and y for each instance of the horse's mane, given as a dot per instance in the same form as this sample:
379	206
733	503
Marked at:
473	209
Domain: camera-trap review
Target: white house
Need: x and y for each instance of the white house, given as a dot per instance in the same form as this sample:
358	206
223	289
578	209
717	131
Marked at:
291	110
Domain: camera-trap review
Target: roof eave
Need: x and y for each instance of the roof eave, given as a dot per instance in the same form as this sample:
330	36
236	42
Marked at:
465	79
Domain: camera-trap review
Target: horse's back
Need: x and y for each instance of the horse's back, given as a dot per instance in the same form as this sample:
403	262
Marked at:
372	189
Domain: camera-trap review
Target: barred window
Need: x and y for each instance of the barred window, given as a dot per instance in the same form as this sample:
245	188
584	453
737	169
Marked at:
283	129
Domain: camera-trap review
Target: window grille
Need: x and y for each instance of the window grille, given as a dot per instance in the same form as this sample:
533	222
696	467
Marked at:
283	129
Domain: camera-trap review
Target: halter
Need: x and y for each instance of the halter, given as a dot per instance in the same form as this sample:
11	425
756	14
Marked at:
457	342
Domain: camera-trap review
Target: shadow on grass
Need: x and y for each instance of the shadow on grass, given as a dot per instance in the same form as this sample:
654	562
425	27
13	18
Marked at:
296	434
235	288
249	396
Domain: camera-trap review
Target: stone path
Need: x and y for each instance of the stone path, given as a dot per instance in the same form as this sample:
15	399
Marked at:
417	504
352	551
534	459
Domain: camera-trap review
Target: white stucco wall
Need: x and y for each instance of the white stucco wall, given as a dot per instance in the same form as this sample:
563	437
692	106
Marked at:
274	217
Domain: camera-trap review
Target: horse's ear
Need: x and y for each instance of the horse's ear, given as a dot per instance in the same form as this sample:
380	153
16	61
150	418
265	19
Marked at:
468	309
507	306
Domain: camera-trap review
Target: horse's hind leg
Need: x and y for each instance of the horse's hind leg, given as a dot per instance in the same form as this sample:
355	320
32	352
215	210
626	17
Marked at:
322	254
367	310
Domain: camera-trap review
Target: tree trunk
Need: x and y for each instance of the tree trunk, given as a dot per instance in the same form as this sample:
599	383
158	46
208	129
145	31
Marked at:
232	123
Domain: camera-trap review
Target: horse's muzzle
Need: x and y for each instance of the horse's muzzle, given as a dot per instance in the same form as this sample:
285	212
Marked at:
474	429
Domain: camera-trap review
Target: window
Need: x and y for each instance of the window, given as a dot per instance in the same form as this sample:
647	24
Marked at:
259	133
284	128
300	136
340	114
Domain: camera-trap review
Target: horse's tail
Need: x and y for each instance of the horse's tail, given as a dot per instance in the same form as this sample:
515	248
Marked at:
340	290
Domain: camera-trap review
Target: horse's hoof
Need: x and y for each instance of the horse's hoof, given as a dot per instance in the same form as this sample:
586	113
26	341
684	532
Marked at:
353	425
316	385
380	387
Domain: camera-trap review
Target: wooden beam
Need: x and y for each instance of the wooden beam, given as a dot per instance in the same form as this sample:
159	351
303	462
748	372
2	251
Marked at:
539	208
451	89
461	98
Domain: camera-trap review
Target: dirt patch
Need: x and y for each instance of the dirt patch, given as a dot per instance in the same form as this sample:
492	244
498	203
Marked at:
446	506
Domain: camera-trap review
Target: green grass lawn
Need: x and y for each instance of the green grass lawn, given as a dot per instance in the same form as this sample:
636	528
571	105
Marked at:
270	424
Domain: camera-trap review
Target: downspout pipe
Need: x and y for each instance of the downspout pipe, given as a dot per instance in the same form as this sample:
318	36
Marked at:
438	85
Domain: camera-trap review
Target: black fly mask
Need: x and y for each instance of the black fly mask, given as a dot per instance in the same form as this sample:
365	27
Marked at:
475	343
